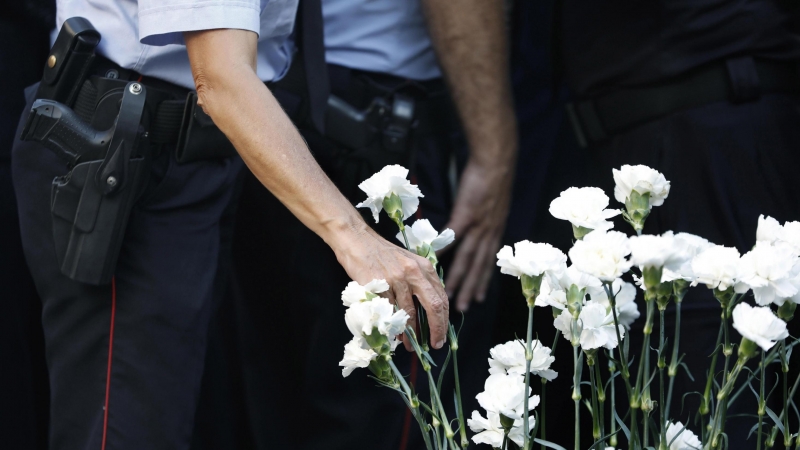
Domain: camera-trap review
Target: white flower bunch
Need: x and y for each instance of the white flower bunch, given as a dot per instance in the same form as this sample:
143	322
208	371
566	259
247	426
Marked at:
601	254
716	267
390	189
769	271
759	325
509	358
595	327
373	322
680	438
585	209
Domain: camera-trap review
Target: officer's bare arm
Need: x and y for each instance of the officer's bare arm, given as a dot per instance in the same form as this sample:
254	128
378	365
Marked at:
223	63
470	40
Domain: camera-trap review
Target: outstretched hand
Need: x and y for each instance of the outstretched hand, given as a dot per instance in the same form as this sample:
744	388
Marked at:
365	256
478	219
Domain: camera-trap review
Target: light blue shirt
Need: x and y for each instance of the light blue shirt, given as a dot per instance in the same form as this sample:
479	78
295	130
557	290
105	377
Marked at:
387	36
146	36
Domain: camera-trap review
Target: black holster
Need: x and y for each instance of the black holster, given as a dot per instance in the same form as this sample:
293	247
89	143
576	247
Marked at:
92	202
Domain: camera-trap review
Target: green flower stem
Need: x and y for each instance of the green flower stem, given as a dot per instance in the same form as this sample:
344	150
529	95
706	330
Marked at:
423	426
761	404
718	424
543	415
528	358
673	364
626	375
612	369
787	437
774	432
405	238
576	396
437	401
596	433
601	397
661	365
705	407
460	412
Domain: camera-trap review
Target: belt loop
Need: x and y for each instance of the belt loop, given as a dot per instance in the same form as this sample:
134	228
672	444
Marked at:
745	86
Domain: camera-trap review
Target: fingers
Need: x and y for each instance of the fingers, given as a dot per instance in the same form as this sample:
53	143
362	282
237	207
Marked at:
476	270
425	285
461	262
403	300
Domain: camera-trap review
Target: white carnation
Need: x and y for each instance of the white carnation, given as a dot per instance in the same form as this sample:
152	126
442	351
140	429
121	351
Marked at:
490	431
356	356
509	358
530	259
687	246
550	294
602	254
759	325
505	394
362	318
390	180
584	207
643	180
595	327
769	271
769	230
680	438
625	299
356	293
716	267
422	233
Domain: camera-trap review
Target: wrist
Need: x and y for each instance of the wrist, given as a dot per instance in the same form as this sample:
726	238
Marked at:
340	233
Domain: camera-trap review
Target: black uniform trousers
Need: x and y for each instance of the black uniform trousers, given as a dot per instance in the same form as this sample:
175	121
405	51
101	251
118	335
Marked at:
126	359
291	319
727	163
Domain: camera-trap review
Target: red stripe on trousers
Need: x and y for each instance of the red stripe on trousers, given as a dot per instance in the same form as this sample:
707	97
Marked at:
110	351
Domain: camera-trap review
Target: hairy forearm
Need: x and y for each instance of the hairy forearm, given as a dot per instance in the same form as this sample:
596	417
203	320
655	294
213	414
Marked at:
243	108
471	43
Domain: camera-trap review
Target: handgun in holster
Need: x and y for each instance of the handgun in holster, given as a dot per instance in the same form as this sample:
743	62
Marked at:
90	204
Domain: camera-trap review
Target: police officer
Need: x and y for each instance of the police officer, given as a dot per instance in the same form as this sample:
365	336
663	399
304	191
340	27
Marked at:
448	60
126	357
704	91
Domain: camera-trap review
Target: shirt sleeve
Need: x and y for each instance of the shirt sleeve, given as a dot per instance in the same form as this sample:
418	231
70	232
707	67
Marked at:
163	22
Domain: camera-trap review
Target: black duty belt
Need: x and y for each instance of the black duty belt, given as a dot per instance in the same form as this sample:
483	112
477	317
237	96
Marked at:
173	120
737	80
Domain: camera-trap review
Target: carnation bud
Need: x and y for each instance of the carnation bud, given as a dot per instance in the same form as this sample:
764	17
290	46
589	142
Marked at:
679	288
652	277
747	349
786	311
393	206
506	423
531	287
637	208
579	232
